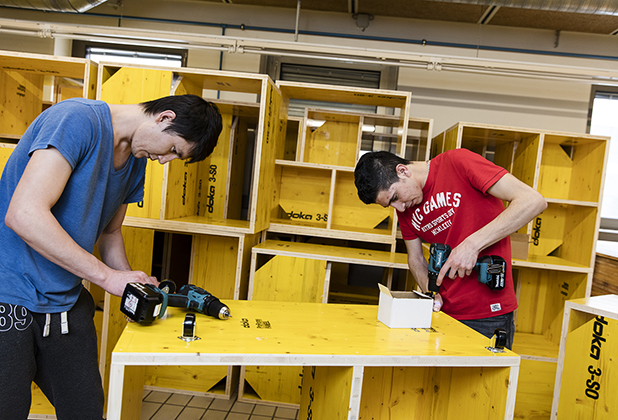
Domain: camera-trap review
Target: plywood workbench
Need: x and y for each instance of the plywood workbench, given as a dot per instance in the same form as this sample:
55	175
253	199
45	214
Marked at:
355	367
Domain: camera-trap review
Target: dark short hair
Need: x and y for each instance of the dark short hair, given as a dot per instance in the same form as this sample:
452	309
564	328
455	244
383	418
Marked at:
375	172
197	121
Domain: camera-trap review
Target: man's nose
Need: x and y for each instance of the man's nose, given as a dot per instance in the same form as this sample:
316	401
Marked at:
166	158
398	206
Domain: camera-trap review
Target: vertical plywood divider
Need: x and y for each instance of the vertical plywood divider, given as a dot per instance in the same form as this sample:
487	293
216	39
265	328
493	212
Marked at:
182	180
236	172
272	125
284	279
138	245
128	86
214	173
329	392
215	261
527	160
21	100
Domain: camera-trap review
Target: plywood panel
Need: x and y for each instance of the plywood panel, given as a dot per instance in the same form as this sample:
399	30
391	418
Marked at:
21	100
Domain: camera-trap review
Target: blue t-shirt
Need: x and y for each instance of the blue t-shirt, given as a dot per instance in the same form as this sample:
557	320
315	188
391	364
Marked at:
81	130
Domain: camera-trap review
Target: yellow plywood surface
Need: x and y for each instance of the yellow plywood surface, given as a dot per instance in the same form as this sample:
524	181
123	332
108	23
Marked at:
326	93
185	378
40	404
527	160
181	183
563	231
589	379
304	195
150	206
215	264
71	67
572	167
290	279
5	152
420	393
21	100
286	330
542	297
328	395
270	140
127	85
225	81
214	174
535	389
333	143
350	212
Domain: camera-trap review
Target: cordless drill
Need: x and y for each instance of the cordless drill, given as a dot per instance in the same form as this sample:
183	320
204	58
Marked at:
491	268
143	303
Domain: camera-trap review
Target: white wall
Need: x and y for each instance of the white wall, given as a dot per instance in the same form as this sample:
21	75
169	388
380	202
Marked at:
445	96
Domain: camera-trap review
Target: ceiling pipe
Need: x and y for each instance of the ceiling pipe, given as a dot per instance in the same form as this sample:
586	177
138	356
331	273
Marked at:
593	7
71	6
134	36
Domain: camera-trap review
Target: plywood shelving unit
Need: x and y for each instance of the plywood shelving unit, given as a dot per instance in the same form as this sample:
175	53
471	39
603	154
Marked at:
568	169
315	205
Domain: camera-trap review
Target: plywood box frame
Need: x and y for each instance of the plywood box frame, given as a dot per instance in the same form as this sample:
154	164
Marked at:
23	77
331	207
176	194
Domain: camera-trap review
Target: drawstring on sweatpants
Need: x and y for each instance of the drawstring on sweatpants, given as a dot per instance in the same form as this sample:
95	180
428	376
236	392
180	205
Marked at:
64	324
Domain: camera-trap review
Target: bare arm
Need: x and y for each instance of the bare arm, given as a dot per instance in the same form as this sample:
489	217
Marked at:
29	216
524	204
418	267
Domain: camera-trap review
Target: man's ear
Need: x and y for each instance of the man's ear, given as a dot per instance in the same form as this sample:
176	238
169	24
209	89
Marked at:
402	171
166	116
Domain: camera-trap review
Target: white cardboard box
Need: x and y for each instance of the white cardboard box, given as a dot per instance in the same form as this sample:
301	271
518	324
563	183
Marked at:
404	309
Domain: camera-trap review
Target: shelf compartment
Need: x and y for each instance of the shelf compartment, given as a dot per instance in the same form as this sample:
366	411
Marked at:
26	79
321	200
572	167
541	295
516	150
564	234
330	138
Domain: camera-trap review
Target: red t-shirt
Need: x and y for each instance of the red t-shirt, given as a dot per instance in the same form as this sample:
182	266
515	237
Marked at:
455	205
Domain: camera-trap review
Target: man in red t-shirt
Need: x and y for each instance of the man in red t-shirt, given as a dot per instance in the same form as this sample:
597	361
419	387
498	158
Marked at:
455	199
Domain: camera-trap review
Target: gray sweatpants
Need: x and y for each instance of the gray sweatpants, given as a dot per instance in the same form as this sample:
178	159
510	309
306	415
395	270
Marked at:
64	366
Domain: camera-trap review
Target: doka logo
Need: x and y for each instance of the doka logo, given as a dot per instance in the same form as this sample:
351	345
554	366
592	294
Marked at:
536	231
300	215
211	199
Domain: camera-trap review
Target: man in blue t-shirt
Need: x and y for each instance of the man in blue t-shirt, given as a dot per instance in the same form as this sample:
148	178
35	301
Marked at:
64	189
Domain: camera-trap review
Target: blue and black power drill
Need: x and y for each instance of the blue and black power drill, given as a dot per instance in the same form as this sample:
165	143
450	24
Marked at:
144	303
491	268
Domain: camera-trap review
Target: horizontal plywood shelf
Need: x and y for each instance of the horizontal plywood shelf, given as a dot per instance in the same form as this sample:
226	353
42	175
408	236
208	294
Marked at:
333	253
535	347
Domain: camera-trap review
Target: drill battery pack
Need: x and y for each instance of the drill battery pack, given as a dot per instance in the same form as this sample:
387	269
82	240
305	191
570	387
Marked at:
142	302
